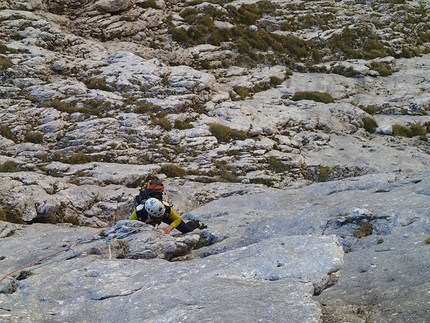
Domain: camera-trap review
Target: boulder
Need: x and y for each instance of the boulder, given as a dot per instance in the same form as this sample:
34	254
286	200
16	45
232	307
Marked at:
113	6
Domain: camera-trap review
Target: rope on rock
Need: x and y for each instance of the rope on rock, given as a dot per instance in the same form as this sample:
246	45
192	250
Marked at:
40	259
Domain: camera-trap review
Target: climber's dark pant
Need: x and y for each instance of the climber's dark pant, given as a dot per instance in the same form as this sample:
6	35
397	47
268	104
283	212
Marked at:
184	227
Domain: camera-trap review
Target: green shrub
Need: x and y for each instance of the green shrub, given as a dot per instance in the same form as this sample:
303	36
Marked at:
369	109
418	130
246	14
171	170
162	122
373	48
241	91
9	167
346	42
77	158
275	81
200	109
407	53
3	48
402	131
34	137
57	8
9	214
7	133
259	87
189	14
60	106
94	104
382	69
350	72
75	180
16	36
5	62
424	36
277	165
98	84
244	47
324	173
370	124
394	1
345	71
137	182
179	35
315	96
358	43
225	134
145	108
182	125
66	107
201	30
295	46
147	4
57	156
263	181
224	171
317	69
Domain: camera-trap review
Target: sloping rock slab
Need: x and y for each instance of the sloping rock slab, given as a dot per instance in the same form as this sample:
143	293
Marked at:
272	281
142	241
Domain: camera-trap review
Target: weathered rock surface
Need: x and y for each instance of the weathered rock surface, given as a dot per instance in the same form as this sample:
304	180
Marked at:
274	249
97	96
273	276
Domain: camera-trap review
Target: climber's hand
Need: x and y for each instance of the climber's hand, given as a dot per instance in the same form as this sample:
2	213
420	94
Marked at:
167	229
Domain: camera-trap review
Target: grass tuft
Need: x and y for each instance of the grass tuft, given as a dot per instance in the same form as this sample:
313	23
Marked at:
401	131
277	165
7	133
370	124
98	84
5	62
9	167
315	96
34	137
382	69
171	170
364	230
9	214
324	173
226	134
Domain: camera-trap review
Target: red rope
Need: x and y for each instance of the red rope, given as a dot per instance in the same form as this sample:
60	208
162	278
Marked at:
70	245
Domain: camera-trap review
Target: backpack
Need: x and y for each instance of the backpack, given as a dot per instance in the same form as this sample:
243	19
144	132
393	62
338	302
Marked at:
153	188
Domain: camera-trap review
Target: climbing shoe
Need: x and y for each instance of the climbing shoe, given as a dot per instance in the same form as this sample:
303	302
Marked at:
202	225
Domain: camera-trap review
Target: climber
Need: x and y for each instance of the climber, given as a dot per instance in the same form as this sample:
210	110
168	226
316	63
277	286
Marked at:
154	211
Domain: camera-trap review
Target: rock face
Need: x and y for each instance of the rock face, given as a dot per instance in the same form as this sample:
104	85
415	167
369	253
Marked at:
276	261
106	93
85	285
239	107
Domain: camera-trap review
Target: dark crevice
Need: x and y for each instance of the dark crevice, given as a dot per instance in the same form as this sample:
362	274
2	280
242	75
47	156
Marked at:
117	295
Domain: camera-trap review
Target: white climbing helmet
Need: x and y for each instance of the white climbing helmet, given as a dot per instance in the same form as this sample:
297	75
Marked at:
155	207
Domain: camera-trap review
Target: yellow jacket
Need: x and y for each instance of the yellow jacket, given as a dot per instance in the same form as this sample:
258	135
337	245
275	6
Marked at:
144	217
